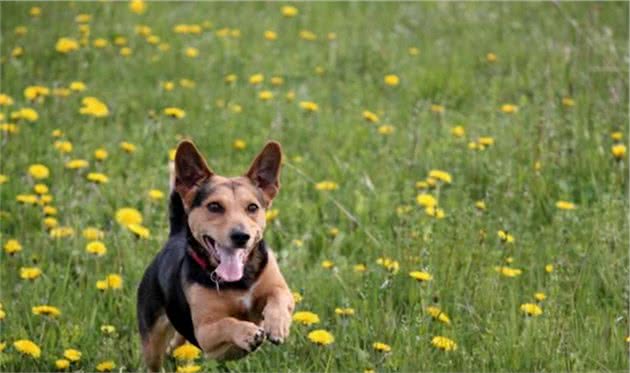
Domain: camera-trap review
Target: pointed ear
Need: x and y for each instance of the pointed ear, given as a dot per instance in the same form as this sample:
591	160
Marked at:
265	170
190	169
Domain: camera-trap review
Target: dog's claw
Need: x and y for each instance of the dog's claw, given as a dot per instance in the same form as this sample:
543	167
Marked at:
258	339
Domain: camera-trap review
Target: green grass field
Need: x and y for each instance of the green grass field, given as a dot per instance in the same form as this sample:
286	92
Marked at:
563	68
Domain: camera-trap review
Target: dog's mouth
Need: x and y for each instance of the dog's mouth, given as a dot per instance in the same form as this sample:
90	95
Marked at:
230	261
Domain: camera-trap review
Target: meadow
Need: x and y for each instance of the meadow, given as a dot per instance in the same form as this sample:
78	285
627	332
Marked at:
454	194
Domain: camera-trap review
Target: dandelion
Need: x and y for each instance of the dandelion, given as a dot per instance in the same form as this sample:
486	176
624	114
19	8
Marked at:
531	309
256	79
125	51
439	109
370	116
289	11
30	273
77	86
127	147
540	296
480	205
46	311
97	248
77	164
309	106
114	281
92	106
458	131
271	215
270	35
328	264
440	175
61	232
486	141
508	272
12	246
49	210
38	171
44	199
265	95
568	102
321	337
72	355
27	114
491	57
509	108
438	315
326	185
231	78
420	276
156	194
189	368
505	236
297	297
128	215
618	151
186	352
174	112
3	179
92	233
139	230
108	329
344	311
29	199
549	268
5	100
62	364
66	45
389	264
333	231
386	129
36	92
50	222
381	347
360	268
306	318
391	80
101	285
239	144
106	366
564	205
27	347
444	343
100	43
9	128
426	200
138	6
307	35
616	136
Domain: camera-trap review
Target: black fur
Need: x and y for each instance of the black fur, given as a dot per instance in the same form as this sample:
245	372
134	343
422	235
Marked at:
161	290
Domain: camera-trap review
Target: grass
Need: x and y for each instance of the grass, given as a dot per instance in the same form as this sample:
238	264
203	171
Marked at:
545	52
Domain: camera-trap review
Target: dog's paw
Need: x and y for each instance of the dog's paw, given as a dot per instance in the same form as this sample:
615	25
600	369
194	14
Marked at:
249	336
276	325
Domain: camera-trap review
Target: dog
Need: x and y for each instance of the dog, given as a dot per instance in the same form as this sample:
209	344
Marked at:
215	283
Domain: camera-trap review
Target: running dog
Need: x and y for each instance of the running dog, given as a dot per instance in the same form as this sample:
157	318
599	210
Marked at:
215	283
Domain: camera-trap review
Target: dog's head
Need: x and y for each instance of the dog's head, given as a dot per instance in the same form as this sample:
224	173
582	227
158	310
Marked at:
227	215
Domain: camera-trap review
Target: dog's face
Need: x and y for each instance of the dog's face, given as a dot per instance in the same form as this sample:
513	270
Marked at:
227	215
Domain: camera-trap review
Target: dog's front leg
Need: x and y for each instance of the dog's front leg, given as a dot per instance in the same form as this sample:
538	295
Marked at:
277	314
217	338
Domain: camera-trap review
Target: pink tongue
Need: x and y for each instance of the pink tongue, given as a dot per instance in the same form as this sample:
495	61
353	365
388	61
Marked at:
231	267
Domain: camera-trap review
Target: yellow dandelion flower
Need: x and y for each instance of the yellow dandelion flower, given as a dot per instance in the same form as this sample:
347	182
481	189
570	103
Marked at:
66	45
188	368
531	309
138	6
156	194
306	318
564	205
540	296
509	108
435	108
426	200
444	343
92	234
139	230
549	268
386	129
26	198
46	311
36	92
72	354
618	151
265	95
326	185
125	51
127	147
568	102
92	106
27	347
127	215
420	276
307	35
30	273
370	116
77	86
270	35
491	57
101	285
328	264
486	140
271	215
27	114
297	297
12	246
344	311
289	11
97	248
381	347
114	281
174	112
5	100
480	205
256	79
50	222
108	329
389	264
290	96
616	136
106	366
76	164
100	43
186	351
61	232
309	106
391	80
360	268
440	175
97	177
508	272
38	171
438	315
321	337
239	144
62	364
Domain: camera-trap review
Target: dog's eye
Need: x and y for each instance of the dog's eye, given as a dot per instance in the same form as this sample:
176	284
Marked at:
215	207
252	207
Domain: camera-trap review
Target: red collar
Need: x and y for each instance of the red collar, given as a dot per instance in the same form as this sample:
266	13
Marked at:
202	263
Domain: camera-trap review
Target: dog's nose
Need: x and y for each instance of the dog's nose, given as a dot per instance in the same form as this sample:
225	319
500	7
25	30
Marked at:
239	238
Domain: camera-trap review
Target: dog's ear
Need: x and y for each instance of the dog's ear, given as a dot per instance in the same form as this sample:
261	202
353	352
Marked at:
190	169
265	171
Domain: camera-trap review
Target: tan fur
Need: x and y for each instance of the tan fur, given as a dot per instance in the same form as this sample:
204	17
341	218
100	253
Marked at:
226	328
154	347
